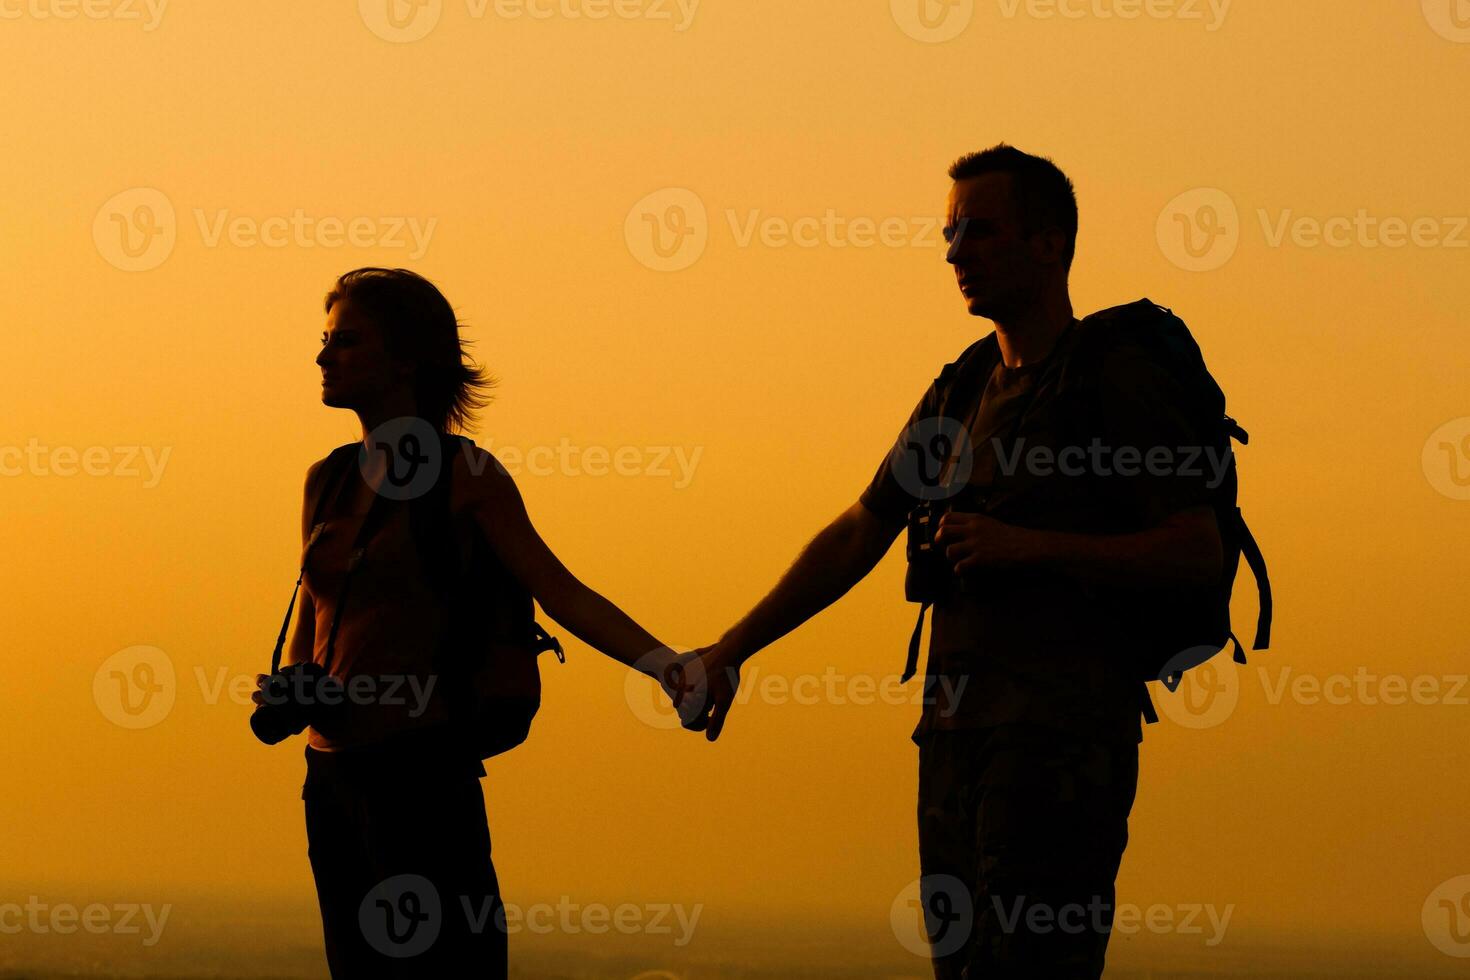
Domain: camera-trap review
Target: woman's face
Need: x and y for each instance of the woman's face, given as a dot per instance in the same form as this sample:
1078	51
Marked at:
357	369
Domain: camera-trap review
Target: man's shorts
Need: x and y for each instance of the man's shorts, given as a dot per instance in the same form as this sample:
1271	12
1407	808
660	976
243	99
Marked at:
1021	832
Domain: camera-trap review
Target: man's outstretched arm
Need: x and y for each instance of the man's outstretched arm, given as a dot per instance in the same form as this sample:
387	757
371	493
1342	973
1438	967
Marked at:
835	560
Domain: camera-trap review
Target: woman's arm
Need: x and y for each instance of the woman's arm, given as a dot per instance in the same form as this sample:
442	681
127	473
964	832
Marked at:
303	638
492	497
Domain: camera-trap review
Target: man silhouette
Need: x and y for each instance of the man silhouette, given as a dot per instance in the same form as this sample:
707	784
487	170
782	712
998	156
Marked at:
1028	749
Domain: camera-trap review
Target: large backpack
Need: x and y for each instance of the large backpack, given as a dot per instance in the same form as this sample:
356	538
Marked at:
1184	627
488	663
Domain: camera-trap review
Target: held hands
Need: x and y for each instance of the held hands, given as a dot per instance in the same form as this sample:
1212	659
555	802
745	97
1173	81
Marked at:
708	689
681	677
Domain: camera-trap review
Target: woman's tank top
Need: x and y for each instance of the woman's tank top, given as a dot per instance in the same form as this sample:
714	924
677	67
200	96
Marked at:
392	624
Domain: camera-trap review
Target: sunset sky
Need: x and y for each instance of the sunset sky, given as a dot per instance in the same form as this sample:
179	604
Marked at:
183	181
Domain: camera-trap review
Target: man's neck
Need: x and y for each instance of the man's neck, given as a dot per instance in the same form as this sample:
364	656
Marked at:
1029	337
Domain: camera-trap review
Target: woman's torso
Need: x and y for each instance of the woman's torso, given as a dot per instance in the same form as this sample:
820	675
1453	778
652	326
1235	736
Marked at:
392	623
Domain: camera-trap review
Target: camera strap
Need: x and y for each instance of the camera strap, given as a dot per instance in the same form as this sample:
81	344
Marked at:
970	374
967	372
316	532
338	466
365	530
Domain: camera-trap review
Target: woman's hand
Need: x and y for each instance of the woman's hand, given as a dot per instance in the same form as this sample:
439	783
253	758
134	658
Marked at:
682	678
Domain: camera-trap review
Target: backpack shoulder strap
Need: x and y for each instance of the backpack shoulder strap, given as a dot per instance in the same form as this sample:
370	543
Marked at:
432	520
974	363
329	480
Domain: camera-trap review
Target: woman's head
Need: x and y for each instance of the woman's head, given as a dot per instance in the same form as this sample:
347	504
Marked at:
390	332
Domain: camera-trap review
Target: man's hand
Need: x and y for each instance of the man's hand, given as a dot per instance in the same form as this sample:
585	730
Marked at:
975	541
704	704
680	675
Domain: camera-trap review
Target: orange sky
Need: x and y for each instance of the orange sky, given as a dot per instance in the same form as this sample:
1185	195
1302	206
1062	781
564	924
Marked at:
264	148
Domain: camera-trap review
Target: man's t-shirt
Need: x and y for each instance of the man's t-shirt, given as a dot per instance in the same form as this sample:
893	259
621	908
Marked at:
1033	645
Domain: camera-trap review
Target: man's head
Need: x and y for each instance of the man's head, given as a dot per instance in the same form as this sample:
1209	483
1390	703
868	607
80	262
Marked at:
1012	228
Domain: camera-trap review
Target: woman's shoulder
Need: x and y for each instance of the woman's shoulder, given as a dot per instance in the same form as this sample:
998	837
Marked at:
478	479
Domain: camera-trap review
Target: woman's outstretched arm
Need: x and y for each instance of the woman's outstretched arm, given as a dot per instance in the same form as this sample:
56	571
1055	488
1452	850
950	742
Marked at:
490	494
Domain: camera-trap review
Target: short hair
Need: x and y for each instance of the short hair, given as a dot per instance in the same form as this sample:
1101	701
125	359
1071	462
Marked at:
1044	195
420	326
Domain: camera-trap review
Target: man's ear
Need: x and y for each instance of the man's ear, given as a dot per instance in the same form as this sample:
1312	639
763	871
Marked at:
1050	246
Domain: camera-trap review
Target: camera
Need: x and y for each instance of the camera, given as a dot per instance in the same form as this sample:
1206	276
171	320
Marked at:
929	573
297	695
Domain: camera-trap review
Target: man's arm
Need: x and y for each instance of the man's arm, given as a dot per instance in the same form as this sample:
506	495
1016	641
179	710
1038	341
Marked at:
838	558
1182	549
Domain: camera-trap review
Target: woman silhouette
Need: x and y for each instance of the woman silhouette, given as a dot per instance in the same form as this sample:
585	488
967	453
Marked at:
395	818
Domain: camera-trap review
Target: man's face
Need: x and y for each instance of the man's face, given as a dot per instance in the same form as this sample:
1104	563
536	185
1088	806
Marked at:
357	368
1000	270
